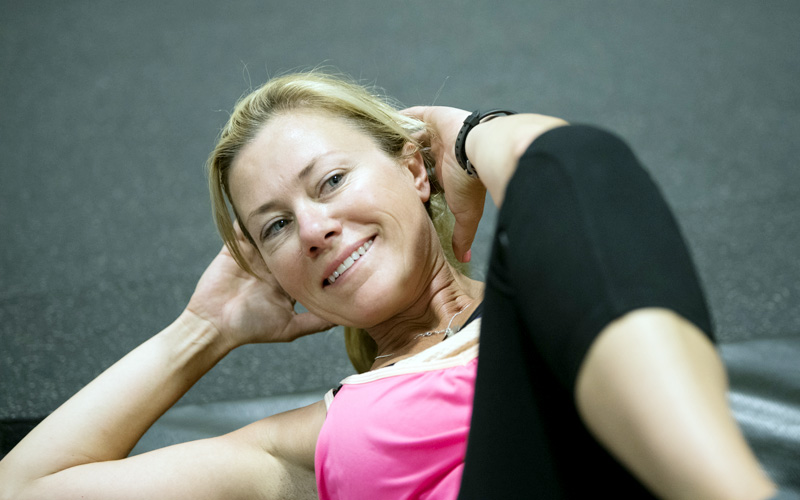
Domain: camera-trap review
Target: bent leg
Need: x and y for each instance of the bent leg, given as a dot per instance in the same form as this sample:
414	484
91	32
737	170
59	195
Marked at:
653	390
583	237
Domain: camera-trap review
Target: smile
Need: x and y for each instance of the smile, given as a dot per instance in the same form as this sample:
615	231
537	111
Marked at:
349	261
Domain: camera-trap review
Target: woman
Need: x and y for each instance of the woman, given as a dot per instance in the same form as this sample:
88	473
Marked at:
331	189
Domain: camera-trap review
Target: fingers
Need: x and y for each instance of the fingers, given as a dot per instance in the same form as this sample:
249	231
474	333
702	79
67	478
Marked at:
465	197
417	112
249	252
237	229
464	232
306	323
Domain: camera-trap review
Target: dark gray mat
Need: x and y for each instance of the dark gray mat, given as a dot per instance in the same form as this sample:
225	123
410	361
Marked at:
108	110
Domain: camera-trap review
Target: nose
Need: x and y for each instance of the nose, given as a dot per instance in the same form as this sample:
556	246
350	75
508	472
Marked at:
318	229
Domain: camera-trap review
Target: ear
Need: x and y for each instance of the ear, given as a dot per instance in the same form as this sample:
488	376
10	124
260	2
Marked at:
412	160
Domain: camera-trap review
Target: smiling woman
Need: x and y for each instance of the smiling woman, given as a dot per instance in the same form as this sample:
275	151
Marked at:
349	105
596	361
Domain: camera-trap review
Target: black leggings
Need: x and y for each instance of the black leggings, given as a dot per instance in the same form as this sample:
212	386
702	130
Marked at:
583	237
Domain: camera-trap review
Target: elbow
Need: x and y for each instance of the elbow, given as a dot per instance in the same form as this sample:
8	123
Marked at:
11	486
11	491
7	492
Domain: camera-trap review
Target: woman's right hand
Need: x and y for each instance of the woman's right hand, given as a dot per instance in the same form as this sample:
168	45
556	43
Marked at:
245	309
493	147
464	195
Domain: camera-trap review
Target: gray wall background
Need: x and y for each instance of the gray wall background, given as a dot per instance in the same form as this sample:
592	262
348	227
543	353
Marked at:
108	110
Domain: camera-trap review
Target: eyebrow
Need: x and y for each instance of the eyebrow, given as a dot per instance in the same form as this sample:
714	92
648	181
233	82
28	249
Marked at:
301	176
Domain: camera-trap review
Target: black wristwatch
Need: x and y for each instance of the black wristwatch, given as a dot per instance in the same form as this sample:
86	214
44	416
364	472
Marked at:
461	140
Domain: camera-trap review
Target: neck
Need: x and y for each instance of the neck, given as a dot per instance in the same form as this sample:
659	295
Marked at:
446	294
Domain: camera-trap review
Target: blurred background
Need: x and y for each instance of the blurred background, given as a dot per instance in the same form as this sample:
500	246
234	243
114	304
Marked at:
108	110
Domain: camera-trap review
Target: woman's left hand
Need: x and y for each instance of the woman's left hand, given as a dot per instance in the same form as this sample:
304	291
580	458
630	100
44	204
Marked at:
464	195
245	309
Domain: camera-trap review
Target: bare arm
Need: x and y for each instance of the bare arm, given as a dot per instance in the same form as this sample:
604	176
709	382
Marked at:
269	459
105	419
79	451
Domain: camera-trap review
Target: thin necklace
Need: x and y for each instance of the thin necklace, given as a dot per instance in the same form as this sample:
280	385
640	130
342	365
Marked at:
447	331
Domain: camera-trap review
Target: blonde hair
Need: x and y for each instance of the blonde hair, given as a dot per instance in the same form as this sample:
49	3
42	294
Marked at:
365	108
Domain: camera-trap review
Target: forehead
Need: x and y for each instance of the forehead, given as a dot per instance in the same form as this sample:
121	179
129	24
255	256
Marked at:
285	146
289	141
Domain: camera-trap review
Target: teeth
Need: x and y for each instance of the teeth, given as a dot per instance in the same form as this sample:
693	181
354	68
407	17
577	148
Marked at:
349	261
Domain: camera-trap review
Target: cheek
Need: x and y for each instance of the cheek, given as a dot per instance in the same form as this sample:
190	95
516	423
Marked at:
287	271
395	195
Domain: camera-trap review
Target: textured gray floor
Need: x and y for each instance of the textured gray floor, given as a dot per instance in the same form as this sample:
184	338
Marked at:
109	108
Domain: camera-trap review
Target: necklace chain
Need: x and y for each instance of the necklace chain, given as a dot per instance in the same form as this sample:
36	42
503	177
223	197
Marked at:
447	331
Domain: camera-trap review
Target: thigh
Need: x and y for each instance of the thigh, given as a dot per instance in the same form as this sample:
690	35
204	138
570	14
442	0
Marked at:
583	237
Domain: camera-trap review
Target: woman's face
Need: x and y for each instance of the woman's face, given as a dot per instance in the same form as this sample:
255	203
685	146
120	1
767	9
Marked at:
313	192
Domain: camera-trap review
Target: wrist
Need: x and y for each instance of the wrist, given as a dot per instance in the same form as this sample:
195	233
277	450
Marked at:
495	147
202	334
473	120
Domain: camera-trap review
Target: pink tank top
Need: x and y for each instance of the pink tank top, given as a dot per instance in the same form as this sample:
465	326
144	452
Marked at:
401	431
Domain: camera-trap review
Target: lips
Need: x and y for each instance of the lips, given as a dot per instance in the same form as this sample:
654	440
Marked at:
348	262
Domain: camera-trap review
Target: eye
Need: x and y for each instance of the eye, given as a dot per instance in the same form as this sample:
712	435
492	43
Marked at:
273	229
333	181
